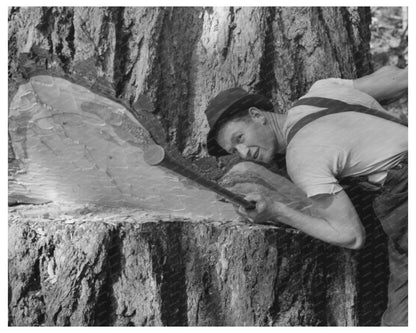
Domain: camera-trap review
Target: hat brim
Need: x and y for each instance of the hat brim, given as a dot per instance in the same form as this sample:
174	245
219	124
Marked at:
245	102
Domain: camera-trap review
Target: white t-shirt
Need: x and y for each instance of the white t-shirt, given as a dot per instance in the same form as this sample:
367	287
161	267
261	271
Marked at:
342	144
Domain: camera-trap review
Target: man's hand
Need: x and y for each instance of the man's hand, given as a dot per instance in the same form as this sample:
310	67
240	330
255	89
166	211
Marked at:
332	218
264	211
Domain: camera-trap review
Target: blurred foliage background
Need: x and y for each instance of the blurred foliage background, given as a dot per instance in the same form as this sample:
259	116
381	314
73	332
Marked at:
389	45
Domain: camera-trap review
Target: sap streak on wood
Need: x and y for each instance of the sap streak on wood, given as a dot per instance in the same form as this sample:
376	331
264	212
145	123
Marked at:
76	146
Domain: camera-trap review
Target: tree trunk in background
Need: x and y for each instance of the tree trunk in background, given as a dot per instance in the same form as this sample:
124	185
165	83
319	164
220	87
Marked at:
181	57
150	272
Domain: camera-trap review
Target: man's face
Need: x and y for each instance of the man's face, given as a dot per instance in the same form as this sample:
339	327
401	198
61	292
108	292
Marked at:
252	140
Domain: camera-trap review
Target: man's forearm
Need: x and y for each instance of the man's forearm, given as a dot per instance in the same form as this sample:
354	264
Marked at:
317	227
386	83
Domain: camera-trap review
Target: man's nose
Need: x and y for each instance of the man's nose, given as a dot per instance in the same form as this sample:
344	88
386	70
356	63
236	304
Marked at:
242	150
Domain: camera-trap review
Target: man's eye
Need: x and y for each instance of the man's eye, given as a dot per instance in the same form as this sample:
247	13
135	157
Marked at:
240	138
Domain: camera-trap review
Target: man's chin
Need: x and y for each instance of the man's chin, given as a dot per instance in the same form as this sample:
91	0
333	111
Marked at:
266	160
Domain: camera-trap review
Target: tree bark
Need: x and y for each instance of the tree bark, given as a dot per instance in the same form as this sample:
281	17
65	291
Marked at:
92	266
181	57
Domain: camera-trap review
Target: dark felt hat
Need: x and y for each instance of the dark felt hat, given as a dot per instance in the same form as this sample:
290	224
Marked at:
224	105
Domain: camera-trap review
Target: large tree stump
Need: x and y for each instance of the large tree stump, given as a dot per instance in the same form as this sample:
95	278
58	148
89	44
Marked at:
124	267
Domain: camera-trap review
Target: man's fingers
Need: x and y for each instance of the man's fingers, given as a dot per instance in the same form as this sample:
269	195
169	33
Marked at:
261	204
253	197
252	214
242	212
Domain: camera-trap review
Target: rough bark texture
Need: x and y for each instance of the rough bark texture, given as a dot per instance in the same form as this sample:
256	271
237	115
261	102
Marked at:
96	267
89	268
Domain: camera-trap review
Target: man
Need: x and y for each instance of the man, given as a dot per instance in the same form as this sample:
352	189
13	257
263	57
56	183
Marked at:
348	135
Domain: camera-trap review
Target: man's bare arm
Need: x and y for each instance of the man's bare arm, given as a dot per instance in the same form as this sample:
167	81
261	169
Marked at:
385	84
333	218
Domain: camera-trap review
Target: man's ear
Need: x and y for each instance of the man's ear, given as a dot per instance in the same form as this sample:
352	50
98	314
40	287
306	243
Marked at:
256	115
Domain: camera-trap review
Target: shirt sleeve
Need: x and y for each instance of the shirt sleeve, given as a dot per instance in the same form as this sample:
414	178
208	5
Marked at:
314	169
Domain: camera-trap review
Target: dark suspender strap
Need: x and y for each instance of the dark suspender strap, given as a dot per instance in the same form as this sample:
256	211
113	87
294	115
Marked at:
334	106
